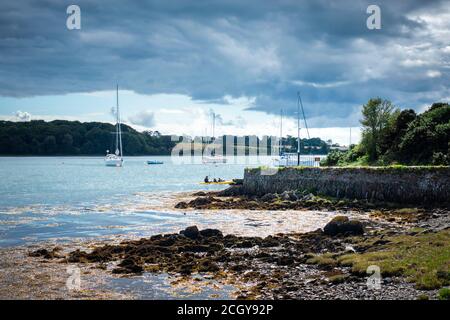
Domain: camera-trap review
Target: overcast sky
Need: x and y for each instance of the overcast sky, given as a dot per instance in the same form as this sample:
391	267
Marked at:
177	61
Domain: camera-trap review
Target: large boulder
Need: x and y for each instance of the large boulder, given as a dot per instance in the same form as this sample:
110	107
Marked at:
211	233
343	225
200	201
232	191
289	196
181	205
129	265
268	197
191	232
200	194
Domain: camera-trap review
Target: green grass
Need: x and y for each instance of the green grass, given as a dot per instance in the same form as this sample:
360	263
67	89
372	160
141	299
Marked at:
423	259
444	294
339	278
360	162
323	260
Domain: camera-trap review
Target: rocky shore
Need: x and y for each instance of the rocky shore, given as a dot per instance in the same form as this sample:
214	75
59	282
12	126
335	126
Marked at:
233	198
408	245
314	265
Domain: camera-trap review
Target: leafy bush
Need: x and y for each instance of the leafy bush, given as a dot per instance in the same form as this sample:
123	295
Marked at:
334	158
444	294
342	158
439	159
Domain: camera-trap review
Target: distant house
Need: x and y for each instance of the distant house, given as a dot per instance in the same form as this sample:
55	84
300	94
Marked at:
339	148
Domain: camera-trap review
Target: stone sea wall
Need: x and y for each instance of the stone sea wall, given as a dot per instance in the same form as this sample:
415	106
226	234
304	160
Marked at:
418	185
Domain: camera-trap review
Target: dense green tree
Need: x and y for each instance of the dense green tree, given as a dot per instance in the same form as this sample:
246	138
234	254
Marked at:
67	143
49	145
428	134
376	117
394	133
404	137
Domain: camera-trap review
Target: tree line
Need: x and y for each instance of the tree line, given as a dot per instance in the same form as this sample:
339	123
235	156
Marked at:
61	137
394	136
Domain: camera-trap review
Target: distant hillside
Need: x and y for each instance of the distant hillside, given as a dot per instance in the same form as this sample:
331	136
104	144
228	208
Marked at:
61	137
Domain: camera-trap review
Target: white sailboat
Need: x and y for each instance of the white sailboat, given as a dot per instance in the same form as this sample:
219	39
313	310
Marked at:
283	158
213	158
116	159
289	159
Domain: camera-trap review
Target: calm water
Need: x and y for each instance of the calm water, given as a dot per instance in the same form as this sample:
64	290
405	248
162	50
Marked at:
72	198
75	197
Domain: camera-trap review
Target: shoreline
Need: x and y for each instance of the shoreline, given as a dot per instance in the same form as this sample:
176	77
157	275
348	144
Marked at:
288	265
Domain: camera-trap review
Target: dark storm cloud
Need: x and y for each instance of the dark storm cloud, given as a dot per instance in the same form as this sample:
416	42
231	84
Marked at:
208	49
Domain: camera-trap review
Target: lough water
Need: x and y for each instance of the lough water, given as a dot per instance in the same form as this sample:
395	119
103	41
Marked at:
77	198
44	198
72	199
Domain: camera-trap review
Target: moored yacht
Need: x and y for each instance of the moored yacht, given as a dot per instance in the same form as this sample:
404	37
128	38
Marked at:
116	159
213	158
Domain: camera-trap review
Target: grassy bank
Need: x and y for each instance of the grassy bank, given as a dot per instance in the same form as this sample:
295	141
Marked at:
423	258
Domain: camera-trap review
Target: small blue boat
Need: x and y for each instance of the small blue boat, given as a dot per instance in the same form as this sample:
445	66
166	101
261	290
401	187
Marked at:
154	162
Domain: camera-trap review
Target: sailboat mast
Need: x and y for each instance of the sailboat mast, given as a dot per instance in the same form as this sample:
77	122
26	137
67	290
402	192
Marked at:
214	125
281	132
119	129
298	128
350	140
117	124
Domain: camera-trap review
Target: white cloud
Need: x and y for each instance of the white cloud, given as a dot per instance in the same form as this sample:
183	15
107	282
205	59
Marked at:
241	101
171	111
143	118
414	63
446	49
433	73
22	116
321	85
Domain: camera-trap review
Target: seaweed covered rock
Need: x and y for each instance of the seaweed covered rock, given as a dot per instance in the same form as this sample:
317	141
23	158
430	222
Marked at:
268	197
129	265
200	202
46	254
211	233
181	205
200	194
191	232
289	196
344	226
232	191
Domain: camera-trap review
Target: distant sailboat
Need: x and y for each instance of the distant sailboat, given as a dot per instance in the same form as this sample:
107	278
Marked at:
116	159
283	159
288	159
213	158
150	162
